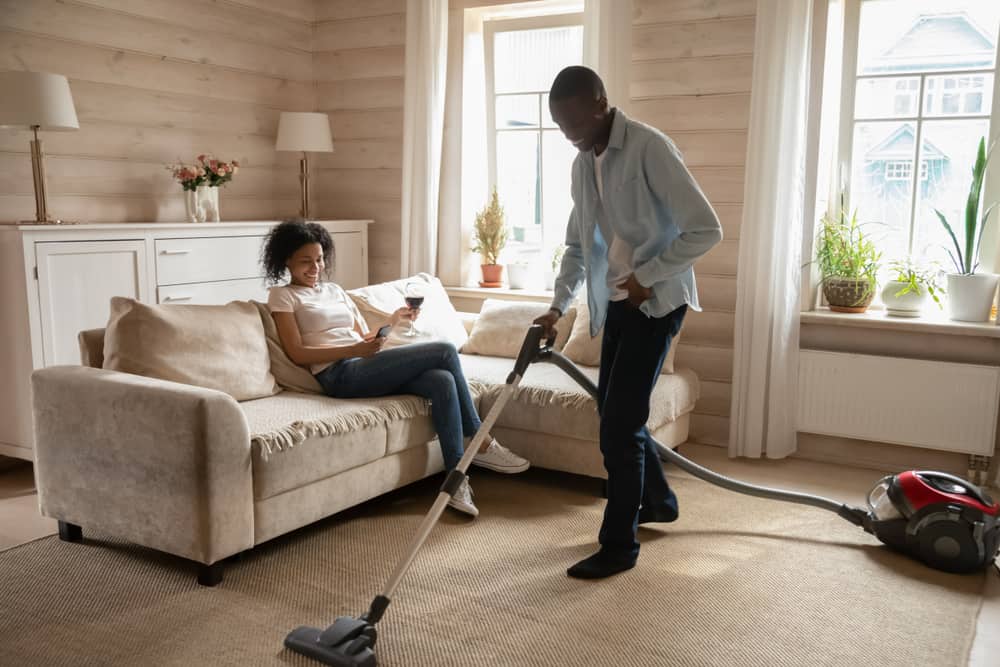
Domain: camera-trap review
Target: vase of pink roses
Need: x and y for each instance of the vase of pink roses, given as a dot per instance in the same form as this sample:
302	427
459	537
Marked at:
200	182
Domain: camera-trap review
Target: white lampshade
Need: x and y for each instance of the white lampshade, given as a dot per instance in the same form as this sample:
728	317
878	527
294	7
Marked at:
304	131
36	98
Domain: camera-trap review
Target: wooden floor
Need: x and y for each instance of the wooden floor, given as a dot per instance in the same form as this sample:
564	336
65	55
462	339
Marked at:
20	521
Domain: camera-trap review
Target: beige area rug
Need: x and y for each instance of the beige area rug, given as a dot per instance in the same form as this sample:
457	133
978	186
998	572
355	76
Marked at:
736	581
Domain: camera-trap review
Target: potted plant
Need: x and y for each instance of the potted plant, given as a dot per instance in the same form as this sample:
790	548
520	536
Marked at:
970	294
490	238
907	293
550	276
848	262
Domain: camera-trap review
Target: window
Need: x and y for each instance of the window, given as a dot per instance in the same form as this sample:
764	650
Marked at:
920	76
529	158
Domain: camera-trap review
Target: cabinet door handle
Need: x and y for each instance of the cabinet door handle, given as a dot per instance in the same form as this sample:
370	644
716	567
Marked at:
177	298
175	252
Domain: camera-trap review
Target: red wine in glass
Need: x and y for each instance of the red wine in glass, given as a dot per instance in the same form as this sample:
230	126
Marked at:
414	295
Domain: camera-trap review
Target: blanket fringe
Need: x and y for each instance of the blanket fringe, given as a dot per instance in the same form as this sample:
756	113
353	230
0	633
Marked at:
399	408
299	431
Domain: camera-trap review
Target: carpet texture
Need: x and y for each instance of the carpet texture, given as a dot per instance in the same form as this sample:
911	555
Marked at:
736	581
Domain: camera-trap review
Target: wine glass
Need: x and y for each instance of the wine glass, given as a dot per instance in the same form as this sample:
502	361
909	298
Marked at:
414	294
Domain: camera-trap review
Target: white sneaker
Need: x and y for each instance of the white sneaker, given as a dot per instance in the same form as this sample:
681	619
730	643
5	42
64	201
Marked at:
462	500
500	459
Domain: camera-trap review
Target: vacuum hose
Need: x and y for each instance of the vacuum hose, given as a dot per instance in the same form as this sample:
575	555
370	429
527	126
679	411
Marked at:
853	514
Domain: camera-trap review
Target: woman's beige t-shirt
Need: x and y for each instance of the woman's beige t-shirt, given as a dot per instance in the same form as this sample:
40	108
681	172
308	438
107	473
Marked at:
326	315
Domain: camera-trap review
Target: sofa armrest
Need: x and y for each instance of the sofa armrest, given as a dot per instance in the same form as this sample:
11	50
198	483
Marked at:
161	464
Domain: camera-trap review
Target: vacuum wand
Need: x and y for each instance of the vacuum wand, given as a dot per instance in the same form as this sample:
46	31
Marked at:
853	514
350	641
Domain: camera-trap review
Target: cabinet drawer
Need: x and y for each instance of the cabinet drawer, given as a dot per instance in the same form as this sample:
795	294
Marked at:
213	293
199	260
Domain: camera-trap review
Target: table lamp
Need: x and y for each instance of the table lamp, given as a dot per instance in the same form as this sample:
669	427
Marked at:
306	132
37	101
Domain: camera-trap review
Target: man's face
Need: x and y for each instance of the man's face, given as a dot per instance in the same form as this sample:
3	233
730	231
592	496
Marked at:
580	119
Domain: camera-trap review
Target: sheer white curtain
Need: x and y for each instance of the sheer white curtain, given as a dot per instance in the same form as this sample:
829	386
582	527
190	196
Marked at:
766	345
607	46
423	121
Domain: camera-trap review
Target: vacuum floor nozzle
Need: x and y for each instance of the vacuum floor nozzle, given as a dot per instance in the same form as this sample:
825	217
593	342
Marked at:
349	642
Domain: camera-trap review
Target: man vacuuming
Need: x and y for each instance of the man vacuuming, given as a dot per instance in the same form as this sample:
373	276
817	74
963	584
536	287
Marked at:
639	223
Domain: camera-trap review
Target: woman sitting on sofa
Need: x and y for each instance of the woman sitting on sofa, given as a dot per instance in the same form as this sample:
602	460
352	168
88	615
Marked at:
321	328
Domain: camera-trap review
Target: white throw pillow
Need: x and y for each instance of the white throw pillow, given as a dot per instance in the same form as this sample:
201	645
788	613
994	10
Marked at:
584	350
438	318
501	326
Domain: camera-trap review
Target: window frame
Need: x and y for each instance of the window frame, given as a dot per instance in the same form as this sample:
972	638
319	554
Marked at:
848	86
491	26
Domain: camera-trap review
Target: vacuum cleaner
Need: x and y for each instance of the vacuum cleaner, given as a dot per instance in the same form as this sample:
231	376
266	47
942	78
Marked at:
940	519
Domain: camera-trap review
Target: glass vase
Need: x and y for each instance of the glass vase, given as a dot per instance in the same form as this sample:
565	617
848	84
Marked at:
208	203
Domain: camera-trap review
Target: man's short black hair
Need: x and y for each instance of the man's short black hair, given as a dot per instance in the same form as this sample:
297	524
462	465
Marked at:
577	81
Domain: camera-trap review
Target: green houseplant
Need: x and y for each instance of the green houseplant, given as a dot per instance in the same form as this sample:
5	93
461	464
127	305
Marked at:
910	288
970	294
848	262
490	237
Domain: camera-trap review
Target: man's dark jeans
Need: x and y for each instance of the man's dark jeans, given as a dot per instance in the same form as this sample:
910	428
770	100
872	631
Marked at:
632	354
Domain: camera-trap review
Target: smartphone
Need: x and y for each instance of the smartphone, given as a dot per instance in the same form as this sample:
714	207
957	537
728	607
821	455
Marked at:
384	331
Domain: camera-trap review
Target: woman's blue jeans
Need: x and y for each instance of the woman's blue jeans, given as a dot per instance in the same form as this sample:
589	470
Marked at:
430	370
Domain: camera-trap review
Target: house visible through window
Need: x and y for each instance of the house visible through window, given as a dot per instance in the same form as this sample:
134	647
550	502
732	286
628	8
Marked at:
923	85
530	159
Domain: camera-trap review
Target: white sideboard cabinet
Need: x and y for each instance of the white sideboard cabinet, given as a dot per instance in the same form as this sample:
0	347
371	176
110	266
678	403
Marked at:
57	280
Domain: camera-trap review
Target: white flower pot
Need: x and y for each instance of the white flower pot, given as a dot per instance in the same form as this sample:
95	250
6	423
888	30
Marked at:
904	305
520	276
549	280
970	297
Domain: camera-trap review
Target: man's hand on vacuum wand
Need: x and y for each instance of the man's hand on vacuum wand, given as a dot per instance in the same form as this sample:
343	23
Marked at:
636	292
548	322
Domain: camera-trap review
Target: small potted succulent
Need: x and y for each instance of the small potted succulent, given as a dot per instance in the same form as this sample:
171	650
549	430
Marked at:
848	261
912	285
490	237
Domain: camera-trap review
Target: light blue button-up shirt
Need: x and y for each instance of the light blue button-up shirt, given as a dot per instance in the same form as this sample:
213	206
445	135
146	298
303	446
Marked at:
652	202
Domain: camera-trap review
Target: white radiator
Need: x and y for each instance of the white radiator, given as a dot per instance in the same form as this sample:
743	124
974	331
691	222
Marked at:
932	404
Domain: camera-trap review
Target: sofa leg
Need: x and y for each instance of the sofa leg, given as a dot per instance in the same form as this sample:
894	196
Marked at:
210	575
69	532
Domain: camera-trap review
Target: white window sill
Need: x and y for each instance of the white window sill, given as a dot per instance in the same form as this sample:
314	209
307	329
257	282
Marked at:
932	321
505	293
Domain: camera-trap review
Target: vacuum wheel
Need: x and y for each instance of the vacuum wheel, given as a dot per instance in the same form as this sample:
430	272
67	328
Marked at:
949	545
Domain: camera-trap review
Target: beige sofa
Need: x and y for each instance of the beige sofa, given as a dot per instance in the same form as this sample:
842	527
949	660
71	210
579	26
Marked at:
192	472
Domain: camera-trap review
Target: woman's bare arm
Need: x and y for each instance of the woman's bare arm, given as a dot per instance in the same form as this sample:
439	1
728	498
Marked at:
305	355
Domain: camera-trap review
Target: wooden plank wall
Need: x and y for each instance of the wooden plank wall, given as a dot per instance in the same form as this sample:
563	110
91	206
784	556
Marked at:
690	77
156	81
358	64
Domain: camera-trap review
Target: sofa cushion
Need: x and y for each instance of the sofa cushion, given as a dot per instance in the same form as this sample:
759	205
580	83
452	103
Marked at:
286	372
582	349
438	319
300	438
214	347
548	401
500	328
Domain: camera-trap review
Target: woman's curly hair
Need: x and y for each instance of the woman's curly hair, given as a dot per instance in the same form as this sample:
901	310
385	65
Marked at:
287	237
